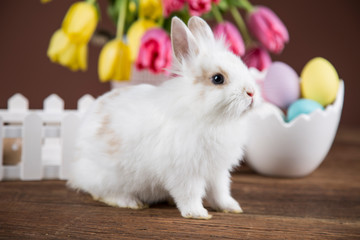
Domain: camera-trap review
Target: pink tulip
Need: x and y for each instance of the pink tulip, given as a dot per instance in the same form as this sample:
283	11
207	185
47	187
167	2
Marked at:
199	7
155	51
172	6
232	37
268	28
257	57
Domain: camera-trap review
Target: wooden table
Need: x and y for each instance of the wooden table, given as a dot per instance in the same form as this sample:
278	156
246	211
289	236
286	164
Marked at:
324	205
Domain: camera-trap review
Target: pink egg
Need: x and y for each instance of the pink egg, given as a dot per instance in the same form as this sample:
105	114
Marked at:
281	85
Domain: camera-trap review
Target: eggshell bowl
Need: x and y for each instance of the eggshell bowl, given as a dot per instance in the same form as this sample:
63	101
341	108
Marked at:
294	149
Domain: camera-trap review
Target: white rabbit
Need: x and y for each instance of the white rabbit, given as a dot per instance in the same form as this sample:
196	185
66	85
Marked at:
143	144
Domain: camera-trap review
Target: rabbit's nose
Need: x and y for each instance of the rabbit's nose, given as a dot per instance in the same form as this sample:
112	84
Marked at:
250	92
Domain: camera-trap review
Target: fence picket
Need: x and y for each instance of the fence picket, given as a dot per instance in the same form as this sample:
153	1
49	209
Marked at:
31	164
18	103
53	104
36	127
69	127
85	102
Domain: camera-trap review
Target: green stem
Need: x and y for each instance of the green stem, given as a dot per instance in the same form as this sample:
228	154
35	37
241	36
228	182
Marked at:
121	19
161	21
216	12
240	23
91	1
245	4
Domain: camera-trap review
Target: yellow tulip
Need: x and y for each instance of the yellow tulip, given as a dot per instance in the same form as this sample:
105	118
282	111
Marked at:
151	9
114	61
132	6
135	33
80	22
61	50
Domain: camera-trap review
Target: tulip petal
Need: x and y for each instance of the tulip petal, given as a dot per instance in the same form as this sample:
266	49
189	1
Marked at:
257	57
199	7
68	57
268	28
80	22
82	57
151	9
124	64
172	6
67	53
58	43
107	61
135	33
232	37
155	51
114	61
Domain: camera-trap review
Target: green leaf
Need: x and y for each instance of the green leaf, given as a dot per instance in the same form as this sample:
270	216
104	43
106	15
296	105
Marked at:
131	17
182	14
223	6
208	16
244	4
113	13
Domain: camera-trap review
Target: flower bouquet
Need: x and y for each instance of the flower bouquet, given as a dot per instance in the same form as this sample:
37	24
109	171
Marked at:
142	39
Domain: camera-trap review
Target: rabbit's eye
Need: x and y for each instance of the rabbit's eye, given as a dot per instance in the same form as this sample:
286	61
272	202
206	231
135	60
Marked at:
217	79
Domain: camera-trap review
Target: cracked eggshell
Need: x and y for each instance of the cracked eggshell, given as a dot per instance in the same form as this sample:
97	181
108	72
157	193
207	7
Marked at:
294	149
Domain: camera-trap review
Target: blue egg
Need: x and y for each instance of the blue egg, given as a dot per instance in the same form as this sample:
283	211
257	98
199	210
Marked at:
302	106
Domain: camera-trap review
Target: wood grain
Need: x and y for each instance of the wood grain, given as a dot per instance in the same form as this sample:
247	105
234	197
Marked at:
324	205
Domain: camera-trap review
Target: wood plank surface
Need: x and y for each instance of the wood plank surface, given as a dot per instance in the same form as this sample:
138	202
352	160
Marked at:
324	205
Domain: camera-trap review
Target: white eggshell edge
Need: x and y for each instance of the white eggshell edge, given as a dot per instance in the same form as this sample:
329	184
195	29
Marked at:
294	149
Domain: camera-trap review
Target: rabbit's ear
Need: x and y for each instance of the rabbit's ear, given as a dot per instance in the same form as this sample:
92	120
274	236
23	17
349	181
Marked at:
182	41
200	29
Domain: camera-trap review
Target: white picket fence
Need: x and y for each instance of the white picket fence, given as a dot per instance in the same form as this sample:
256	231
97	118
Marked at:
47	137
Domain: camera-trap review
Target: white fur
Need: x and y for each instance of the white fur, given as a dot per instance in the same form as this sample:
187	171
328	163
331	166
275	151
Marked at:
145	144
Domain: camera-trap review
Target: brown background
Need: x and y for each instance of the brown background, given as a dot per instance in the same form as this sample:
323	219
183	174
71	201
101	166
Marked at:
327	28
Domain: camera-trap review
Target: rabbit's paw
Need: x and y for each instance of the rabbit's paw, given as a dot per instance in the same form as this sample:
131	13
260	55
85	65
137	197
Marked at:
237	211
197	214
230	206
125	202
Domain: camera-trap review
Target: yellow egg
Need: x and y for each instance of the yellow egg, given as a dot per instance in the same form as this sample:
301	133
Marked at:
319	81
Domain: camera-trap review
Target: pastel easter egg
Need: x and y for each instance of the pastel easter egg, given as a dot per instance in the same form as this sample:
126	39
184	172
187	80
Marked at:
319	81
281	85
302	106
